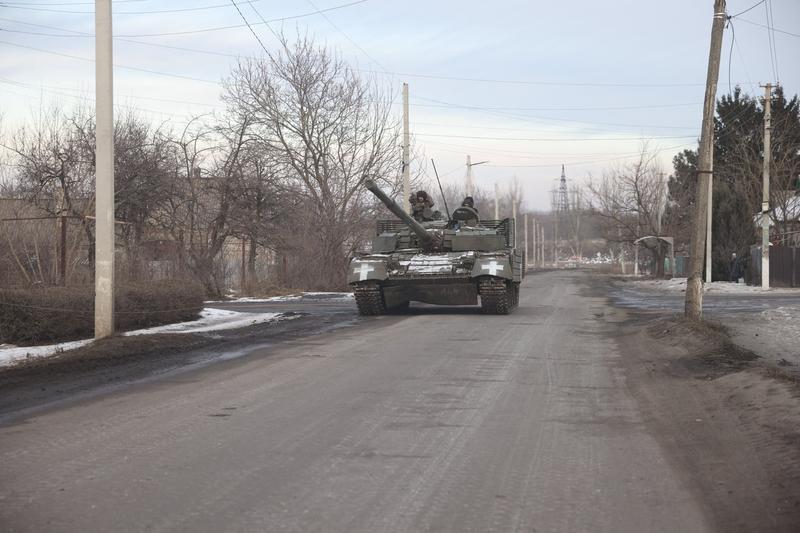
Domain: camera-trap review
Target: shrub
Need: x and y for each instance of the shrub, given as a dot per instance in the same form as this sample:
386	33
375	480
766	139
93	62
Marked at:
54	314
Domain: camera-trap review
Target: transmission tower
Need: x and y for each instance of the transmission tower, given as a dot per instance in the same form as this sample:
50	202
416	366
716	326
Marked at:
563	194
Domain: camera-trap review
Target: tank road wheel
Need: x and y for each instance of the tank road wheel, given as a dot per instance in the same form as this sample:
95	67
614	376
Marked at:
497	296
369	299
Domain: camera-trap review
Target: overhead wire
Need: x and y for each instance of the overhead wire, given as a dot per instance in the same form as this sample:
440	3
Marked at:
250	27
147	12
748	9
774	29
346	36
116	65
773	43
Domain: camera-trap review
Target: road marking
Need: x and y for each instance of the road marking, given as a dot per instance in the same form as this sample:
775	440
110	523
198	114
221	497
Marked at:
363	271
493	268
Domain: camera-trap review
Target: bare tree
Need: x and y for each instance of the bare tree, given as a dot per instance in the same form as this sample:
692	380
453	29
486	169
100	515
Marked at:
630	200
328	131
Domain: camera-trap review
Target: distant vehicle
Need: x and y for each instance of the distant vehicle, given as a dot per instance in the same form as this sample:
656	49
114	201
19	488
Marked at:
444	262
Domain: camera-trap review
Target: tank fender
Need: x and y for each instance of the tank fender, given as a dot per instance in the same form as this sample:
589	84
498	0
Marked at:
366	269
492	266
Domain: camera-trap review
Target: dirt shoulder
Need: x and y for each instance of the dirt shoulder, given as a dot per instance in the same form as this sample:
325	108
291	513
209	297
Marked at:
121	360
728	422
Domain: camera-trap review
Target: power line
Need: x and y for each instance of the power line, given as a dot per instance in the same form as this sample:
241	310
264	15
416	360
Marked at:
126	38
116	65
530	118
773	44
239	26
64	3
52	88
770	28
250	27
577	163
553	139
346	36
748	9
150	12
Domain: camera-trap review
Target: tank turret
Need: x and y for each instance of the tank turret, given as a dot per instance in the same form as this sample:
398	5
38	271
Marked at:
426	240
460	261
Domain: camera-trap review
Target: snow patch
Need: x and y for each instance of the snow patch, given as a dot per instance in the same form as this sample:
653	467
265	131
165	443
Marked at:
210	320
722	287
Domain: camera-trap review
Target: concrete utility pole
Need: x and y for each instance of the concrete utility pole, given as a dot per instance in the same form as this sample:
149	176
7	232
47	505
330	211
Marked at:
533	244
406	154
765	186
470	183
104	178
694	286
514	215
541	246
469	176
525	221
496	201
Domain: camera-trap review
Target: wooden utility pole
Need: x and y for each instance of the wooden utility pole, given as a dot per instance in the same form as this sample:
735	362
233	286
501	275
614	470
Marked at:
765	187
694	286
406	154
104	177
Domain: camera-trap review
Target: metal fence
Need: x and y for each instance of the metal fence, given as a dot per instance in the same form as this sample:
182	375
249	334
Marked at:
784	266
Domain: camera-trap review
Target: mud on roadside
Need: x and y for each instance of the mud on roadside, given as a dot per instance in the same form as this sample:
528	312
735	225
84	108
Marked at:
729	421
120	360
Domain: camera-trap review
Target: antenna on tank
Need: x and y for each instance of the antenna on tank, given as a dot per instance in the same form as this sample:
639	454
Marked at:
444	200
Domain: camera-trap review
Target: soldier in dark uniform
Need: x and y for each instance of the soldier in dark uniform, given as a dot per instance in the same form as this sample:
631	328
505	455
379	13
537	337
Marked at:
422	207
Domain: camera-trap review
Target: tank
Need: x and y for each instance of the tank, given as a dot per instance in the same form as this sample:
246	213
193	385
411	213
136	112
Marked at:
460	261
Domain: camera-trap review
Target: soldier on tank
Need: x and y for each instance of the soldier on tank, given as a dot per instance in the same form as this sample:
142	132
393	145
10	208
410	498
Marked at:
467	214
422	207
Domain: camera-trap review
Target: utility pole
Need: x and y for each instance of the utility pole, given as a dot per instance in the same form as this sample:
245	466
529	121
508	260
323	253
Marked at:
765	186
406	154
496	201
709	210
470	184
469	176
514	215
244	267
525	221
694	286
533	244
541	245
104	177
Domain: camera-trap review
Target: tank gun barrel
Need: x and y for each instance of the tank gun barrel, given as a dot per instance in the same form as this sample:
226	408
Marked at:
425	238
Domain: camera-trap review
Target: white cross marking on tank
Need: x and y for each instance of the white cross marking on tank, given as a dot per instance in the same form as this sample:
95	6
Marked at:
363	271
492	267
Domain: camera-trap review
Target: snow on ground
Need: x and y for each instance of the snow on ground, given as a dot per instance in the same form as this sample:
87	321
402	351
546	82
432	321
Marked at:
331	296
11	354
210	320
722	287
772	334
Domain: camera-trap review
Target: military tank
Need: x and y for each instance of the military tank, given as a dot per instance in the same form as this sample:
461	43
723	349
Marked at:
457	261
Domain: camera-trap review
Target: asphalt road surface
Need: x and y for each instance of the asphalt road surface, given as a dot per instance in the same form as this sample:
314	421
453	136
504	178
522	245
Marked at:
440	420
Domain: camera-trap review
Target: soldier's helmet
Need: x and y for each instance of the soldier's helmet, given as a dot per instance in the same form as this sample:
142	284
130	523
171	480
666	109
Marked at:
468	202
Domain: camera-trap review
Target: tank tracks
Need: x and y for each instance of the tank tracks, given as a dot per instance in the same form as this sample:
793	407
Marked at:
498	297
369	299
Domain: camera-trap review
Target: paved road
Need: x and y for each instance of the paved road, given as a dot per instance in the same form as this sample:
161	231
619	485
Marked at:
437	421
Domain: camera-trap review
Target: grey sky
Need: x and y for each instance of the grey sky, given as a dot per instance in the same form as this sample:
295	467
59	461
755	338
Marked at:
584	63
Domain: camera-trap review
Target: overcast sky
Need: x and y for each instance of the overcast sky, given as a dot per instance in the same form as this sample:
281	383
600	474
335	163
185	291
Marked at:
527	85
